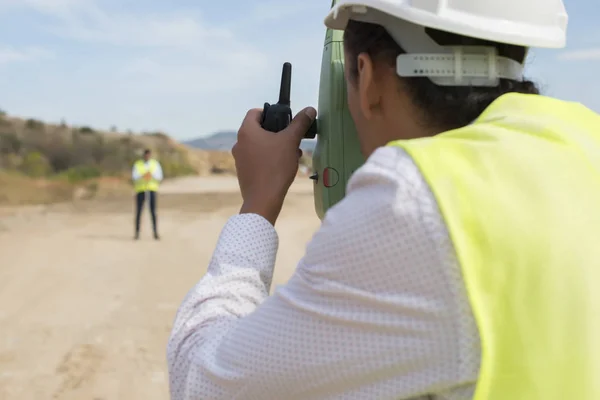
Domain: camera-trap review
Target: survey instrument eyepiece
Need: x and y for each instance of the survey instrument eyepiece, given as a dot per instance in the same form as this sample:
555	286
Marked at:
277	117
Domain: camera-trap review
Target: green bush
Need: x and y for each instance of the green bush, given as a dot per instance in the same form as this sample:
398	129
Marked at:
86	129
34	124
81	173
10	143
59	153
35	165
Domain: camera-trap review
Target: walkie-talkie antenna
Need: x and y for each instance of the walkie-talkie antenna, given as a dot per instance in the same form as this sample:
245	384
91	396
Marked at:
286	84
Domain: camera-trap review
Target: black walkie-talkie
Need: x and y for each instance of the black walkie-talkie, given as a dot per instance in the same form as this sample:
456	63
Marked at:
277	117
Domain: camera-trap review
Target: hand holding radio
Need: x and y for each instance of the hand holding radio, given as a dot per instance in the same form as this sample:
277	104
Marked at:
267	153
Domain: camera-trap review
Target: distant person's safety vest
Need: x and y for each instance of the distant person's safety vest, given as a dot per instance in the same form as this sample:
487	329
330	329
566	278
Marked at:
519	190
143	185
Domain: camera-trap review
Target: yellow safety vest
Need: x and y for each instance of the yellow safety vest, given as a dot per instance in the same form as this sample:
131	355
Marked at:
519	190
142	185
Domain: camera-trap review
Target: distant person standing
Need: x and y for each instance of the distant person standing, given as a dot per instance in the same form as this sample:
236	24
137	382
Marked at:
147	175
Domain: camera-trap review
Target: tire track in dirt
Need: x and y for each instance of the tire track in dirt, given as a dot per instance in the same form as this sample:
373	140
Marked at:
78	367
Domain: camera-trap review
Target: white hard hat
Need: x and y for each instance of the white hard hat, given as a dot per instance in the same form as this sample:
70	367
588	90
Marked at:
527	23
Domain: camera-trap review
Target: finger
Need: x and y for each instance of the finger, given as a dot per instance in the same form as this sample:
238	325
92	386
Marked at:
301	123
253	118
253	115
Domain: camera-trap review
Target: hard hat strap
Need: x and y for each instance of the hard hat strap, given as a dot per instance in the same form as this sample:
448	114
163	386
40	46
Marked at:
444	65
474	66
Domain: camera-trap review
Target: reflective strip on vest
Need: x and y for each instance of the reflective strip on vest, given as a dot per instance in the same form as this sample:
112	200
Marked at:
519	190
142	185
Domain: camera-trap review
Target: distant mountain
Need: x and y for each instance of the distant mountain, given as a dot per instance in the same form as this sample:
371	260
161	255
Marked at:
221	141
224	141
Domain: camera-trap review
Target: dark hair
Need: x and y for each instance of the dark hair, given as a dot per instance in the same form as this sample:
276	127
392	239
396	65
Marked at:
442	107
146	152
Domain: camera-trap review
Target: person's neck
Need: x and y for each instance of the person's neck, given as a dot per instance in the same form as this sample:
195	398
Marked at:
399	127
397	118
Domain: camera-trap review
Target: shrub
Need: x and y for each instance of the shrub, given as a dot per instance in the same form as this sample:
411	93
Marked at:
86	129
59	154
81	173
10	143
34	124
98	149
35	165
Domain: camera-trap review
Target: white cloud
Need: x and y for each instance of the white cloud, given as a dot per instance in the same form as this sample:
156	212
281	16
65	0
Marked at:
11	55
581	55
176	52
86	21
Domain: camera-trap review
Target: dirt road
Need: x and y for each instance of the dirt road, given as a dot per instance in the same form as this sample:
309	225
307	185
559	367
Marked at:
85	312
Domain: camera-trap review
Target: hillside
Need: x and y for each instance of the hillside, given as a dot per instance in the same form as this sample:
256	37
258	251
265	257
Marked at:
224	141
44	162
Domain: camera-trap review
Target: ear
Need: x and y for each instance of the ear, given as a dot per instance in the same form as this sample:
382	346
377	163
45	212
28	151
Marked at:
368	91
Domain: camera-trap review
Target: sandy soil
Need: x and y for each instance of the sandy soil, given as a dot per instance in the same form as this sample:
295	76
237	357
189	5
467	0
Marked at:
85	312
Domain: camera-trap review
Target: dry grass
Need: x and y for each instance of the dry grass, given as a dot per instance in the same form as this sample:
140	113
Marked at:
17	189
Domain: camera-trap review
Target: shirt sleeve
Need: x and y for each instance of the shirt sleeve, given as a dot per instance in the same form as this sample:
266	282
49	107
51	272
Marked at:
368	314
158	172
134	173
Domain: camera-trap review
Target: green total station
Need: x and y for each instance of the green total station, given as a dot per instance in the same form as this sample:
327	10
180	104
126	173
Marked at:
337	153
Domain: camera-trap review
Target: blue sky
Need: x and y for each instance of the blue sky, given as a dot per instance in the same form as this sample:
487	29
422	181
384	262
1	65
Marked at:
191	68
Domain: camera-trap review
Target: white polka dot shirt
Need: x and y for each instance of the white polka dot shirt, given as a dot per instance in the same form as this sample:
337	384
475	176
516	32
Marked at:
376	309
